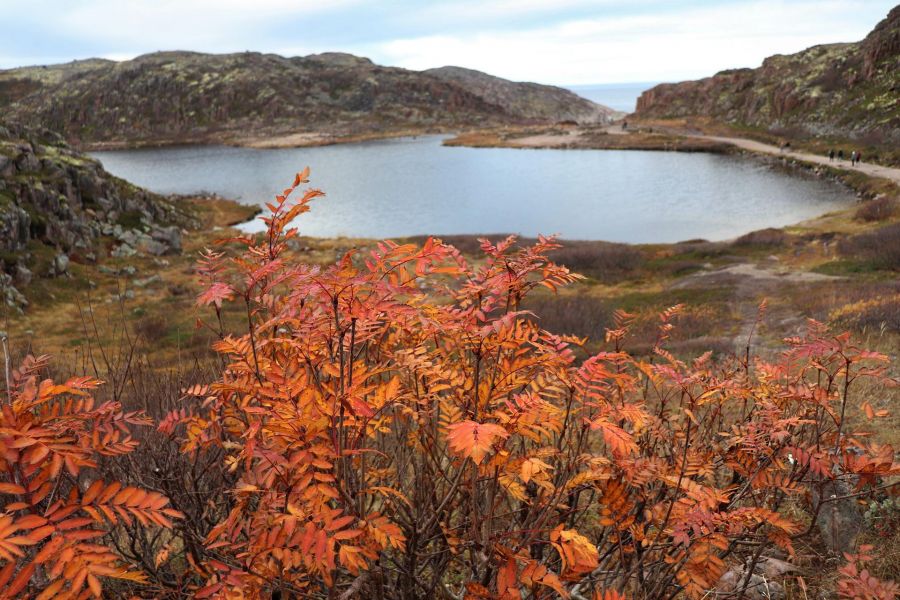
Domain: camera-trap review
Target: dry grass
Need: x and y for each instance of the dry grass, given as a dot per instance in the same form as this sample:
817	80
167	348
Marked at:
581	315
763	238
879	209
602	261
880	247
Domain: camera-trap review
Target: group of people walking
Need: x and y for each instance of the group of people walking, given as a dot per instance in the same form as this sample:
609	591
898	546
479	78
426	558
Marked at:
855	156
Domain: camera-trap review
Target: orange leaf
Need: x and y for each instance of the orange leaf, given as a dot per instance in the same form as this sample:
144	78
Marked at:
474	440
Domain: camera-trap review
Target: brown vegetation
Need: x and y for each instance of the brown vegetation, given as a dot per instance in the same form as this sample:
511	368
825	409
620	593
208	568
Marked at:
392	426
879	209
879	247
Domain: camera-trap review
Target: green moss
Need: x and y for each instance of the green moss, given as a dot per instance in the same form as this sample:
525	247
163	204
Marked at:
7	198
130	219
38	227
846	267
9	258
691	296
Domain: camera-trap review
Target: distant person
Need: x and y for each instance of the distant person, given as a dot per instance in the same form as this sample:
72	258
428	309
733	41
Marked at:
831	155
840	154
624	125
858	157
853	157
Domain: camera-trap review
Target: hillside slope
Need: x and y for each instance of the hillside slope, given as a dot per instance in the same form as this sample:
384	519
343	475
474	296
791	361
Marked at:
57	204
835	90
172	97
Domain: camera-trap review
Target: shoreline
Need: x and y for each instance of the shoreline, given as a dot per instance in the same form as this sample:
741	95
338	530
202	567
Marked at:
570	137
307	139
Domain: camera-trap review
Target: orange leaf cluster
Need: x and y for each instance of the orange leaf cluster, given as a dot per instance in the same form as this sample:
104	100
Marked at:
398	424
53	524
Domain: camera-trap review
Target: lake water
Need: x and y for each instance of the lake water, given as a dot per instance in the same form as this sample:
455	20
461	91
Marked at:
413	186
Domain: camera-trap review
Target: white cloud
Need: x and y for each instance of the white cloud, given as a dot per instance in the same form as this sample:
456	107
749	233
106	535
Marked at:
551	41
213	25
661	46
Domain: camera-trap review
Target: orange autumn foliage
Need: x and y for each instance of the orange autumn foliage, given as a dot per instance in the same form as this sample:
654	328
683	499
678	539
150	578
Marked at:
401	428
55	513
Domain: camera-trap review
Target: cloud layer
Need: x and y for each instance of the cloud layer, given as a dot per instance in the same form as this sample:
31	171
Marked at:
550	41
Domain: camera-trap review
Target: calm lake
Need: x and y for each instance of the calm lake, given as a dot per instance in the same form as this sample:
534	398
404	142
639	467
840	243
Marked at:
416	186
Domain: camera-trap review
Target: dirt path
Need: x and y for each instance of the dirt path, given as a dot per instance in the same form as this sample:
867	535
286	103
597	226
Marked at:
867	168
546	140
616	129
750	284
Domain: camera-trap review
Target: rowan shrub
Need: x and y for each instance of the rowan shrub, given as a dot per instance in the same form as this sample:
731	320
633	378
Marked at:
58	519
399	428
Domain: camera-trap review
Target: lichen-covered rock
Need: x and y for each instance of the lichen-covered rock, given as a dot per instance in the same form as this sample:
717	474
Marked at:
169	236
22	275
60	264
9	295
169	97
840	520
123	251
15	225
54	196
845	90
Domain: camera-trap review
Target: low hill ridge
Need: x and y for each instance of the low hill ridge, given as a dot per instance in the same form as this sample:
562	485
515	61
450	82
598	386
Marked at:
179	97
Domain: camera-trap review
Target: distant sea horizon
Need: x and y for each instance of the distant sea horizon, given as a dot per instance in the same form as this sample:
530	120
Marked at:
618	96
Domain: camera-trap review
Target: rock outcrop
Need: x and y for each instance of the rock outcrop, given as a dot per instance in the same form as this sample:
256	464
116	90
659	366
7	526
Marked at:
56	203
843	90
171	97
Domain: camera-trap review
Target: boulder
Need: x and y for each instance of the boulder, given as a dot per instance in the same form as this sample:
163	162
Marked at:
148	245
60	264
170	236
56	196
128	236
22	275
758	588
27	162
839	521
9	295
141	283
15	227
123	251
773	568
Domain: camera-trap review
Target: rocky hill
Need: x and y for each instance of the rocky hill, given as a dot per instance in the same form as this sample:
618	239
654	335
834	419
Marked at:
835	90
529	100
172	97
58	205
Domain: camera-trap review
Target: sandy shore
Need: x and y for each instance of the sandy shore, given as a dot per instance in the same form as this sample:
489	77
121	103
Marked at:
302	139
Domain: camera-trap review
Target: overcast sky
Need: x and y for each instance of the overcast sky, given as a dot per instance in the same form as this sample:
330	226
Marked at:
563	42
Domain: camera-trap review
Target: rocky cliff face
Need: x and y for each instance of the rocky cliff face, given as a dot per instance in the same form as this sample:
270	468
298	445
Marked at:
57	203
182	96
844	90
